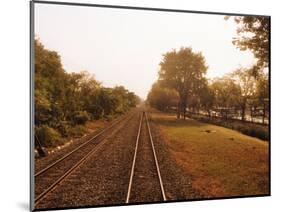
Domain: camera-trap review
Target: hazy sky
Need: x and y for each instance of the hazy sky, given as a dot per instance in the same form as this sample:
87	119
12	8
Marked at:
124	47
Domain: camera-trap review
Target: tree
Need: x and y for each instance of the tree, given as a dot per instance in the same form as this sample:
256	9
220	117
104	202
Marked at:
247	85
88	88
133	99
262	94
64	100
122	99
183	71
161	97
207	98
49	86
226	94
253	35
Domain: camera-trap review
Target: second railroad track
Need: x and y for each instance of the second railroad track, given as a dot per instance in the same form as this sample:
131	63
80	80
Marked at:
50	176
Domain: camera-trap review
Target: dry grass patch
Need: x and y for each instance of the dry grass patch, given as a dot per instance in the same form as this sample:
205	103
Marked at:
221	162
92	126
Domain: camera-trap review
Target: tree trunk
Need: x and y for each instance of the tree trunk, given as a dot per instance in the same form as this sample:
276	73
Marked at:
179	109
263	113
243	113
184	110
209	113
251	114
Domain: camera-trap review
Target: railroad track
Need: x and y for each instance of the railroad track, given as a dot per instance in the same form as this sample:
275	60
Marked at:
49	177
145	177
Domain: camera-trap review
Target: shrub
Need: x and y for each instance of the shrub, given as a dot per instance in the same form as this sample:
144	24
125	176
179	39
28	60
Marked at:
48	136
254	131
109	117
96	111
63	128
77	131
80	117
262	135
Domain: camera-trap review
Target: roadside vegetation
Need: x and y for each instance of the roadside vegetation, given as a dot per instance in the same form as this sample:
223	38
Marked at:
182	86
65	102
221	162
252	129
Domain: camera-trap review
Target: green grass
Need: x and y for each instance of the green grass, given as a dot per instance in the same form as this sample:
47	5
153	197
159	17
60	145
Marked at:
251	129
220	161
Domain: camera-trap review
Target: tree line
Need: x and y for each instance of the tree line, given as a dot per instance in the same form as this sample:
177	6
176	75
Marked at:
182	82
64	102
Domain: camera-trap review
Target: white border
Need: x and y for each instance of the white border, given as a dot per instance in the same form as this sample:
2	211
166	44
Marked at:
14	119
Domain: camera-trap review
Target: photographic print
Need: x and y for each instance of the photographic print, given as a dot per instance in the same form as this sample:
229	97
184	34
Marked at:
142	105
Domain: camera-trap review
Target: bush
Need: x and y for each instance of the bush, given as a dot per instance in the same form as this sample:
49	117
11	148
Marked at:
262	135
96	111
48	136
109	117
63	128
254	131
81	117
77	131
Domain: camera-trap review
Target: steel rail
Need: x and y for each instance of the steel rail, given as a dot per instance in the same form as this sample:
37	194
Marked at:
155	159
77	148
74	167
134	161
66	174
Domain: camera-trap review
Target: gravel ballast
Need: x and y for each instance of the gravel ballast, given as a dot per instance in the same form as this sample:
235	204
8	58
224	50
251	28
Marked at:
103	178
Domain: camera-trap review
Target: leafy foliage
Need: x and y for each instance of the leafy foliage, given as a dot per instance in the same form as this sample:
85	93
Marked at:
80	117
161	97
253	35
181	81
48	136
184	71
66	101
